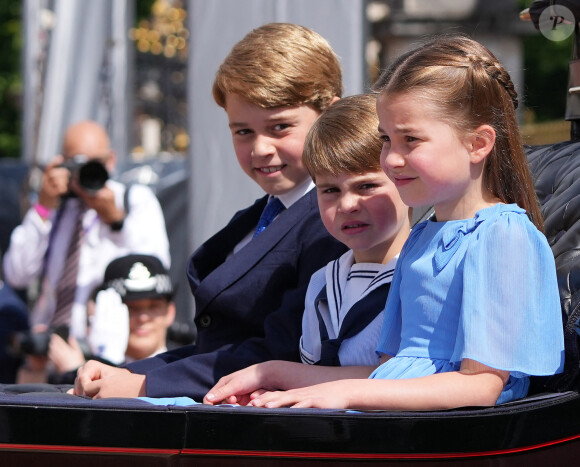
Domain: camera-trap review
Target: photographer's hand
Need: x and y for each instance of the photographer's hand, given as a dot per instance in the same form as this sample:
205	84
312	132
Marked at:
55	182
33	370
66	356
103	201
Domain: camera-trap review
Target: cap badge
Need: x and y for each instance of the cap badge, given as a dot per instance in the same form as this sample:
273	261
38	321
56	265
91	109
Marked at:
139	278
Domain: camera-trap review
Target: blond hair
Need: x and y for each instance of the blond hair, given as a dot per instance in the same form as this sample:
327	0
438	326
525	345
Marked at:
344	139
280	64
467	86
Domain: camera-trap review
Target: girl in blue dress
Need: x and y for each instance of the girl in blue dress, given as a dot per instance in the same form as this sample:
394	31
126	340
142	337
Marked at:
473	309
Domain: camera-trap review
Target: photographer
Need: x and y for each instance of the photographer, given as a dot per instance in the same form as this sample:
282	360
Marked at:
81	222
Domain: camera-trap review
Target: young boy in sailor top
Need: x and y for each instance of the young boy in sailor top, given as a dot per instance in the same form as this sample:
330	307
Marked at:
360	207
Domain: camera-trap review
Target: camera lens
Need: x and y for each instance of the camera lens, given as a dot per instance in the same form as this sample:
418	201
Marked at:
92	176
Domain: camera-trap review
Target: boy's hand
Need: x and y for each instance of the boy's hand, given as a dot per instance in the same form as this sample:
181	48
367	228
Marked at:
103	201
97	380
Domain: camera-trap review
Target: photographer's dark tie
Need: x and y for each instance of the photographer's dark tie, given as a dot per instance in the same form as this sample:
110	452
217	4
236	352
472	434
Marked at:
272	209
67	285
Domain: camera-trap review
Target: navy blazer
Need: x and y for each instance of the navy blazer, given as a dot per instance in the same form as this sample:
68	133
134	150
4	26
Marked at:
248	308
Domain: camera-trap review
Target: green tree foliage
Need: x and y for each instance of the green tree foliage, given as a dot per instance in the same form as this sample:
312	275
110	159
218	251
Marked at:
10	80
143	9
545	73
546	76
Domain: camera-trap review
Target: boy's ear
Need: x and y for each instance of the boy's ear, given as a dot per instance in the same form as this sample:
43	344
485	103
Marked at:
480	143
334	99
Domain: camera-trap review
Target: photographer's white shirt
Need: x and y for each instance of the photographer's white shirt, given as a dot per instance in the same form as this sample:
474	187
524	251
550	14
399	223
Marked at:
143	232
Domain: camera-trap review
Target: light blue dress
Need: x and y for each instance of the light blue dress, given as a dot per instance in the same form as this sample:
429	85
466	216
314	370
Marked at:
482	288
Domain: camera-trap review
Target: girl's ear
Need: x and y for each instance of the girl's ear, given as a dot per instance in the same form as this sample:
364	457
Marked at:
480	143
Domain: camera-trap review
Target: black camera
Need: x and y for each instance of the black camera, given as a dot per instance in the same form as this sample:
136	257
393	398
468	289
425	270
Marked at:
24	343
90	173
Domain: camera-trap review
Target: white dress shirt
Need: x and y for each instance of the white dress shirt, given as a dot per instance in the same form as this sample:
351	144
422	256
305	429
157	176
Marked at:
143	232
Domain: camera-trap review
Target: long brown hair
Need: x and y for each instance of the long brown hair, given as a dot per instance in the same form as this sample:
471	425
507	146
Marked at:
469	88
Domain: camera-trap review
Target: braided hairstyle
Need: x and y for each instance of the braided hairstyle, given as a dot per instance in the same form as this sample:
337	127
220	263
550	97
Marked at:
468	87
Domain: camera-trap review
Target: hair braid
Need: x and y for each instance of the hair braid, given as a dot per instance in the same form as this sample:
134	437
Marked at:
496	71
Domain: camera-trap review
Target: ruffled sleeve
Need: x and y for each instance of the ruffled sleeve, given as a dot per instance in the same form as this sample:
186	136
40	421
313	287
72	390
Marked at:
510	316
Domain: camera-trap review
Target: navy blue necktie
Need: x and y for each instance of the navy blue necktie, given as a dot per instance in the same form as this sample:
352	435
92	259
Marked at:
272	209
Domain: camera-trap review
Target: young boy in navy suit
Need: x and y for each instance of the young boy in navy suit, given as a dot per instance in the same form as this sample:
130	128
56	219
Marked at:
249	282
361	207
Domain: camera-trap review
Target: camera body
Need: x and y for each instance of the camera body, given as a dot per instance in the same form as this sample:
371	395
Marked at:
24	343
91	174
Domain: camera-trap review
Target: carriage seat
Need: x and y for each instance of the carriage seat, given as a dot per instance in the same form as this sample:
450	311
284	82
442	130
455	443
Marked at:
556	172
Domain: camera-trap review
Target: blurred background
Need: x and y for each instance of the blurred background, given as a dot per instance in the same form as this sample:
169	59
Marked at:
143	68
158	36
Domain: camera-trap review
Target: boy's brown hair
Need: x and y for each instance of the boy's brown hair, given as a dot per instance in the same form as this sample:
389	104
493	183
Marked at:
280	65
344	139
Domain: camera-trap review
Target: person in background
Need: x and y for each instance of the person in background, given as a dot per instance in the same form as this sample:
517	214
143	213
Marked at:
128	318
249	280
145	288
81	222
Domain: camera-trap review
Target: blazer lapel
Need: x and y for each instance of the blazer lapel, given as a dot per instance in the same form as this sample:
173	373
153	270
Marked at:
253	252
245	259
215	250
